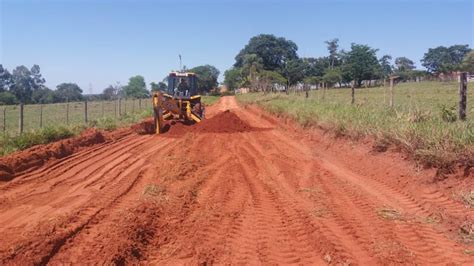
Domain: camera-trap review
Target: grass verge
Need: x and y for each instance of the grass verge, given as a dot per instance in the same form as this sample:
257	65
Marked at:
209	100
422	122
9	144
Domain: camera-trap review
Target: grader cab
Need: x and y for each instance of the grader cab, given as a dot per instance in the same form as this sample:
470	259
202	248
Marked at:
181	101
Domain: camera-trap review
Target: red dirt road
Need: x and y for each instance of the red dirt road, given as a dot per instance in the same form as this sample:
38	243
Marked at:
252	190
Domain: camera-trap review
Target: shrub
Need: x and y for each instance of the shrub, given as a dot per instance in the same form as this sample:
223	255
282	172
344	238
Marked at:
448	114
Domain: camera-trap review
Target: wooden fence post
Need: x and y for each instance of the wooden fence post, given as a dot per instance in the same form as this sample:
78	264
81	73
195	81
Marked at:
125	107
85	111
20	122
41	115
115	108
4	120
67	112
353	92
140	103
392	91
324	90
102	108
133	105
462	96
120	107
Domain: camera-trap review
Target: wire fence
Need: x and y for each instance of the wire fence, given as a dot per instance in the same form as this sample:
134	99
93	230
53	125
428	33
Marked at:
16	119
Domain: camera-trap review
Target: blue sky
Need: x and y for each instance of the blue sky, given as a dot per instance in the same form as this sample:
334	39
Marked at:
96	43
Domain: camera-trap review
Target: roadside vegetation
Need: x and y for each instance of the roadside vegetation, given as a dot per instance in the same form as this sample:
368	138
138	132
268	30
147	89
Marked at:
208	100
52	132
422	122
346	91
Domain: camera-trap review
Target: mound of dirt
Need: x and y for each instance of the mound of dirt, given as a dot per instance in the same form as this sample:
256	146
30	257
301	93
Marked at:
36	156
224	122
144	127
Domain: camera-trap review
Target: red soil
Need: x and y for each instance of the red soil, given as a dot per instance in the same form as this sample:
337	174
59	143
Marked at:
282	195
224	122
145	127
36	156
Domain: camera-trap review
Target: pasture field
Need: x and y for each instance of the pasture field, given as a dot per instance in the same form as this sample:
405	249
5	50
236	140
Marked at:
422	121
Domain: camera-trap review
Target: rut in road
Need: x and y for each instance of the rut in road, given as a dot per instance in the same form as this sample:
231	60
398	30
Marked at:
267	194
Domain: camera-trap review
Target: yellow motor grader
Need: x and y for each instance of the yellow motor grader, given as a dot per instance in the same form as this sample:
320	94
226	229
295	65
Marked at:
181	101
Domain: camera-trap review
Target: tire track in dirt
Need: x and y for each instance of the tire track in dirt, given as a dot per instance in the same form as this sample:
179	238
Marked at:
418	236
428	236
338	248
286	227
217	206
268	194
53	194
75	158
55	171
116	184
102	221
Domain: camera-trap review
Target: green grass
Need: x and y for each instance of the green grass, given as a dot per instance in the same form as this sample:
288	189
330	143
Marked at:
208	100
418	122
9	144
12	143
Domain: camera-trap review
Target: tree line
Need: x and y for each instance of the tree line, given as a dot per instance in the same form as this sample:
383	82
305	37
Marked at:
268	60
24	85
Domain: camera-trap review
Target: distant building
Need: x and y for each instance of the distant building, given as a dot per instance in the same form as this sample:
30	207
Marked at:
455	75
470	77
242	90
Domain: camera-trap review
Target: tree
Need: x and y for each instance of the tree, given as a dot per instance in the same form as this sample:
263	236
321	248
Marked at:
468	62
252	66
43	95
233	78
22	86
313	80
207	76
404	64
332	76
332	48
385	66
7	97
154	86
316	66
109	93
294	71
273	77
267	79
274	51
360	63
444	59
160	86
38	80
68	92
136	87
25	81
458	52
5	79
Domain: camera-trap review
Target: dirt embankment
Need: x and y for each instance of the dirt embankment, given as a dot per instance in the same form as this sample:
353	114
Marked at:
239	188
36	156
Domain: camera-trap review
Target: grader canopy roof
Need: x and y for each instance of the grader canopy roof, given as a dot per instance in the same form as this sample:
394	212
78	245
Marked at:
182	84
